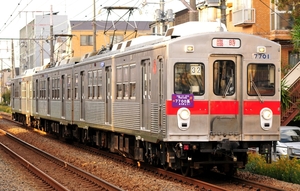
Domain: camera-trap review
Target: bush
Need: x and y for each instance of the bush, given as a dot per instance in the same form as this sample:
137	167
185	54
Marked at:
6	98
284	168
4	108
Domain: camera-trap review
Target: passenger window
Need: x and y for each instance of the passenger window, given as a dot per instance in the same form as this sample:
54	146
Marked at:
189	78
261	79
224	78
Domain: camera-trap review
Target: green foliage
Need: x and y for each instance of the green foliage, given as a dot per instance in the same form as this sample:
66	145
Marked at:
6	97
295	32
284	168
285	97
5	108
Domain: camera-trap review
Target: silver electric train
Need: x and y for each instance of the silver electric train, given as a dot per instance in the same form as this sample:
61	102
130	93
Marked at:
196	98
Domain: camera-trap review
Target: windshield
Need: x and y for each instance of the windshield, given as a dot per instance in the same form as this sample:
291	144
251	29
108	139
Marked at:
261	80
189	78
290	135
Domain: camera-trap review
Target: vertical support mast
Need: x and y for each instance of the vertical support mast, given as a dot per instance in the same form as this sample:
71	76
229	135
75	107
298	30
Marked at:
51	37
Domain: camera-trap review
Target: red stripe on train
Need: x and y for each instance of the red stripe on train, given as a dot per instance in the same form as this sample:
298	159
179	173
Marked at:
226	107
254	107
200	107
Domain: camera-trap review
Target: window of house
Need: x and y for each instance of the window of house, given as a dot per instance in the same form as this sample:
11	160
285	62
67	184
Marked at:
116	39
86	40
281	19
294	58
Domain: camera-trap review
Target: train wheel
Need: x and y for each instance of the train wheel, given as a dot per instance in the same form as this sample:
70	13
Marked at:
185	168
231	170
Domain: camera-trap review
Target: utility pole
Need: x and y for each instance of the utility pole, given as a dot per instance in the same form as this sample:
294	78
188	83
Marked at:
1	80
94	28
223	11
12	60
51	37
192	9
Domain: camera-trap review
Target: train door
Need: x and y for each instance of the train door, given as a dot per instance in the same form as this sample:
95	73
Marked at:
146	94
82	97
37	96
13	94
63	89
48	96
27	96
225	95
108	102
20	96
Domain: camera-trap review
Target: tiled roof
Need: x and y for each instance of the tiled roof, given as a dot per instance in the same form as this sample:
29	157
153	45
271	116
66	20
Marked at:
102	25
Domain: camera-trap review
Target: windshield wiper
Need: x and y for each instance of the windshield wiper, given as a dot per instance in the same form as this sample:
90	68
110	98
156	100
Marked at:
256	89
227	87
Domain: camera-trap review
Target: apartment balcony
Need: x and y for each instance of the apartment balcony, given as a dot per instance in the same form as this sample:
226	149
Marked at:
243	17
279	35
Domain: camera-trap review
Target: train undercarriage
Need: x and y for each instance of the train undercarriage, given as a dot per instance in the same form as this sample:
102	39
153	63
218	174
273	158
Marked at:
190	158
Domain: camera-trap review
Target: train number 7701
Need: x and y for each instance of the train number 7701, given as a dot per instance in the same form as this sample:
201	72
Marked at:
260	56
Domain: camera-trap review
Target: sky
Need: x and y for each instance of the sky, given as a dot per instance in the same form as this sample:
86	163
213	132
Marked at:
15	14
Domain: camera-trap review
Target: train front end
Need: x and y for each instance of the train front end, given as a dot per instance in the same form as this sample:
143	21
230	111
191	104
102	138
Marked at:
224	98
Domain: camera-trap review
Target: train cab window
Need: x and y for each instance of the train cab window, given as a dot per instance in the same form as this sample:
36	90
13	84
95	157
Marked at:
189	78
261	79
224	78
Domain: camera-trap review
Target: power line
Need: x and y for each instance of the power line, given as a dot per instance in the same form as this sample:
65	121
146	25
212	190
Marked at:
6	24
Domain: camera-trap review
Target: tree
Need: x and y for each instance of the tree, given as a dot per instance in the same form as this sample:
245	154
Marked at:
6	97
295	32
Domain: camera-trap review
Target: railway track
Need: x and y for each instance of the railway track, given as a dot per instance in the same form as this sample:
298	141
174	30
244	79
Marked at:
55	173
196	182
214	182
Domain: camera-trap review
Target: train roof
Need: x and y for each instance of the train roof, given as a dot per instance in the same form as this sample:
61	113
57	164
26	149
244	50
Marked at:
194	27
175	31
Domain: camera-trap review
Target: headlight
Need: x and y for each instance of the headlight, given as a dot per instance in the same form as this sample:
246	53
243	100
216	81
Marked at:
184	114
267	113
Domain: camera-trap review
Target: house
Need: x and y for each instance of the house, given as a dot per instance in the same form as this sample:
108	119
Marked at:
107	33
